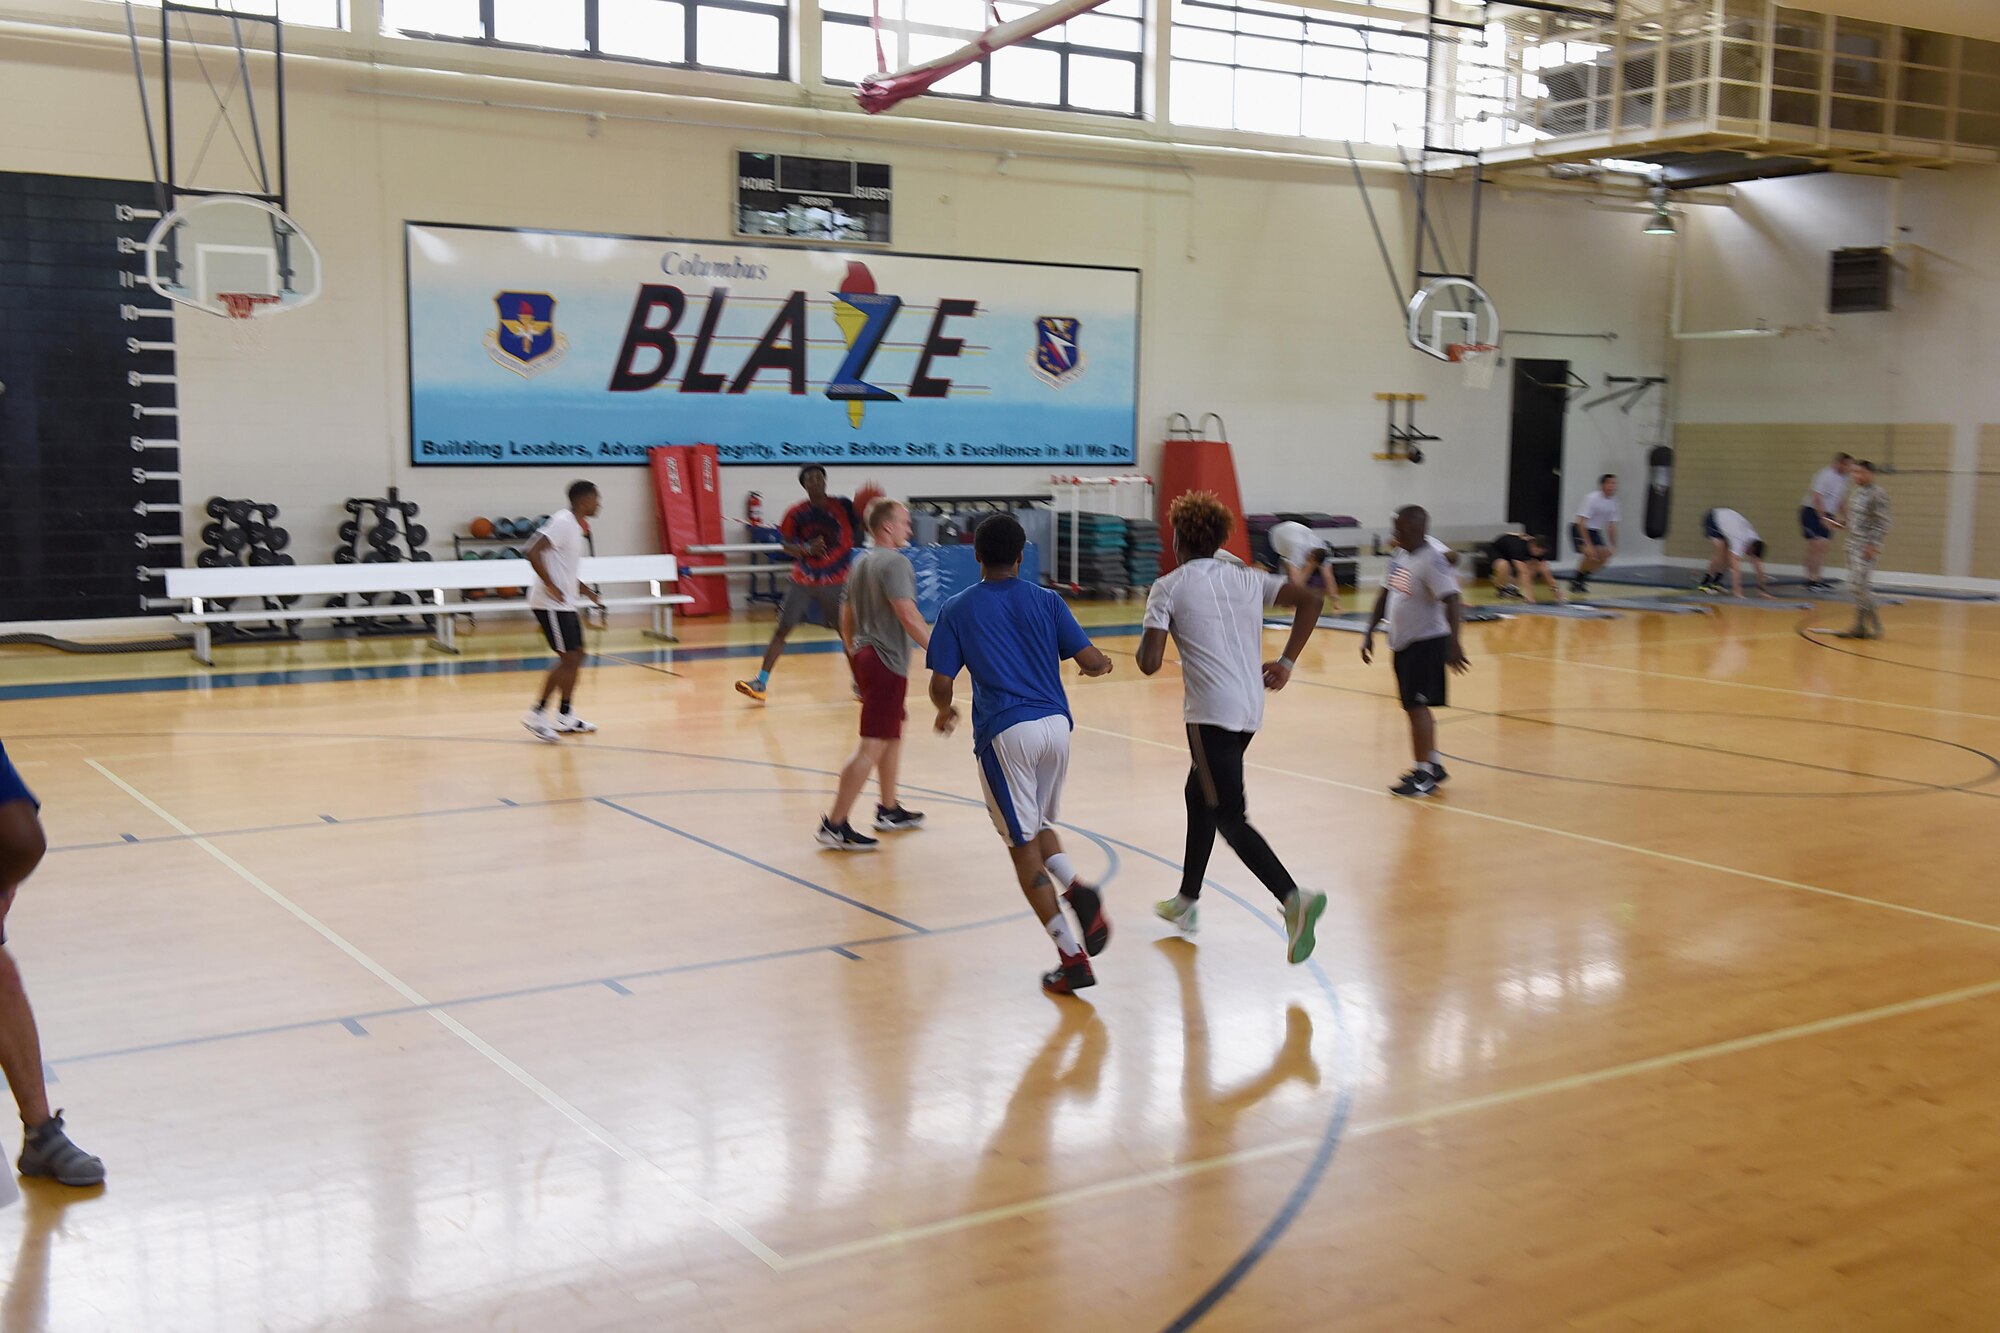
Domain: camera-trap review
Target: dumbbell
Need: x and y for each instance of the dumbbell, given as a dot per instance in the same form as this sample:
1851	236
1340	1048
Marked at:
419	534
217	506
381	536
350	531
277	538
344	556
409	508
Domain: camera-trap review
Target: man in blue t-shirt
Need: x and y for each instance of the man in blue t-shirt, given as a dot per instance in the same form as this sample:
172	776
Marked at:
1013	637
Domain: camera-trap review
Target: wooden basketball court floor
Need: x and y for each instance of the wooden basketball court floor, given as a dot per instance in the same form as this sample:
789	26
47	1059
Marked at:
1676	1010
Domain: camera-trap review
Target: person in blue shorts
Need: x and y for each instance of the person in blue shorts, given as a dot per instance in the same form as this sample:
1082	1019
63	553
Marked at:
1013	638
47	1151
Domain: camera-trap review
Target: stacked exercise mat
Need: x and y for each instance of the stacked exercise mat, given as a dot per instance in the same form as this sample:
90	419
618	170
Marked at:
1100	542
1142	552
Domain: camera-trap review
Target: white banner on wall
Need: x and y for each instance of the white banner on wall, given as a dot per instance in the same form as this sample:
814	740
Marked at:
560	348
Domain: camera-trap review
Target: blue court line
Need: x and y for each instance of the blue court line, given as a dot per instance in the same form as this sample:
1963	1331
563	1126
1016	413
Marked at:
844	952
225	680
526	992
503	804
354	1025
1329	1141
616	987
770	869
1259	1247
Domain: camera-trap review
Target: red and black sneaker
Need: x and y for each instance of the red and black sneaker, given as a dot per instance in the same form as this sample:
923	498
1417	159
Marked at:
1088	904
1071	977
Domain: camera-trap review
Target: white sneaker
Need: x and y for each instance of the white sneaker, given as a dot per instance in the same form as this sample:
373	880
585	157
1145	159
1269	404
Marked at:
570	722
536	720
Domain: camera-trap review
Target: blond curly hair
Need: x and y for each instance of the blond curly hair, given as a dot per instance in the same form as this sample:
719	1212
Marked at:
1201	522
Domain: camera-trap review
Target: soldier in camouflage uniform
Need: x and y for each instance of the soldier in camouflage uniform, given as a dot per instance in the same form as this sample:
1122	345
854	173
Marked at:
1867	525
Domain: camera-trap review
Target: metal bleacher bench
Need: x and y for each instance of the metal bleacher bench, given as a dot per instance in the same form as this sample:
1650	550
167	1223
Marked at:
428	581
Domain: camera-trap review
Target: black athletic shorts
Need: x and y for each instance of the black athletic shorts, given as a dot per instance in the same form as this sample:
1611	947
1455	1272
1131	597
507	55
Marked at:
1576	535
801	598
563	629
1513	547
1710	528
1420	673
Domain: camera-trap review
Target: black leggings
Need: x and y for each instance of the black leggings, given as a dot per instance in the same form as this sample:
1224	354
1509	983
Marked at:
1215	803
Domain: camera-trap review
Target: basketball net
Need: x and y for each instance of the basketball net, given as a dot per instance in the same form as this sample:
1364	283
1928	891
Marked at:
241	310
1477	363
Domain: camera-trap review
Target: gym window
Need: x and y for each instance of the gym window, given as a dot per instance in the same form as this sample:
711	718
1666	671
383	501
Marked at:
1094	62
1337	73
305	13
725	36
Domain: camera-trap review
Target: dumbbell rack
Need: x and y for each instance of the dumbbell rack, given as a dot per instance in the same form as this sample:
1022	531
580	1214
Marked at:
245	532
394	520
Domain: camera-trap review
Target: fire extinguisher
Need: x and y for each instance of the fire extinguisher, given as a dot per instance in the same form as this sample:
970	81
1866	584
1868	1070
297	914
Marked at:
755	510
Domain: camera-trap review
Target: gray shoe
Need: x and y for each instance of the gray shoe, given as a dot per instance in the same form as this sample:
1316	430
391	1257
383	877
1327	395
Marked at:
49	1153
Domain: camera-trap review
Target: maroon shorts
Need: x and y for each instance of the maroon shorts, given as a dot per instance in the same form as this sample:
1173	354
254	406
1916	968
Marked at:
882	692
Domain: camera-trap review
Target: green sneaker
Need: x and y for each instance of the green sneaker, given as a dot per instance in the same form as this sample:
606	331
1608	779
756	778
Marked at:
1184	913
1302	911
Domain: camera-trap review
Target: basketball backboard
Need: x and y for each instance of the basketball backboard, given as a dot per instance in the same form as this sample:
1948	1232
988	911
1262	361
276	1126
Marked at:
222	253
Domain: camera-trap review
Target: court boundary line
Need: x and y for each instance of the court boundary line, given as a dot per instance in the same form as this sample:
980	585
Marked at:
548	1096
1462	1106
1408	1119
1590	838
1751	685
700	841
1912	786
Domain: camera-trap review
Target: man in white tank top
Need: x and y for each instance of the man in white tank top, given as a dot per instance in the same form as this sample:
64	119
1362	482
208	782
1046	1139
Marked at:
1823	509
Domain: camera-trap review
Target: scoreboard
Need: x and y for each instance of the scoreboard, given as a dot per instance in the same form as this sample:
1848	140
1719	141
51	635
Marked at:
812	199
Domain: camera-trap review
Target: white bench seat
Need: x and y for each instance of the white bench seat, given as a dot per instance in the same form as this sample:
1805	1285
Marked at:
427	581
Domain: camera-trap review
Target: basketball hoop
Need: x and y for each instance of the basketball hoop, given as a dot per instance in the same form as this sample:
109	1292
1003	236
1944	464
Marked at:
242	309
1476	362
244	305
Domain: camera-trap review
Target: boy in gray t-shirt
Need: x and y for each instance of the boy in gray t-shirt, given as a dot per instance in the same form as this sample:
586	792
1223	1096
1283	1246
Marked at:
878	618
1420	599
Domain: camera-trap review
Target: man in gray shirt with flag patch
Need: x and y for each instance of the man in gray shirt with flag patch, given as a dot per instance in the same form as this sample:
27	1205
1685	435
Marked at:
879	618
1420	599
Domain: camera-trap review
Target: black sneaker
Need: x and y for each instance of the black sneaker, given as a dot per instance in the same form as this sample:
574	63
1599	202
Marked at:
897	820
1072	976
843	838
49	1153
1088	904
1438	775
1579	587
1415	783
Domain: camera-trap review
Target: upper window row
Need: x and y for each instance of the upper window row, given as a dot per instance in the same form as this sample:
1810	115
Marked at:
1233	64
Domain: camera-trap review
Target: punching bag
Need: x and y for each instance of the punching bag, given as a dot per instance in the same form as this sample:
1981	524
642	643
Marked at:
1659	490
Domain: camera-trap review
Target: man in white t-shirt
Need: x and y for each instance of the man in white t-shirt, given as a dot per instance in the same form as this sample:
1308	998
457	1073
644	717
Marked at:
1734	539
556	597
1594	531
1214	609
1420	600
1820	513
